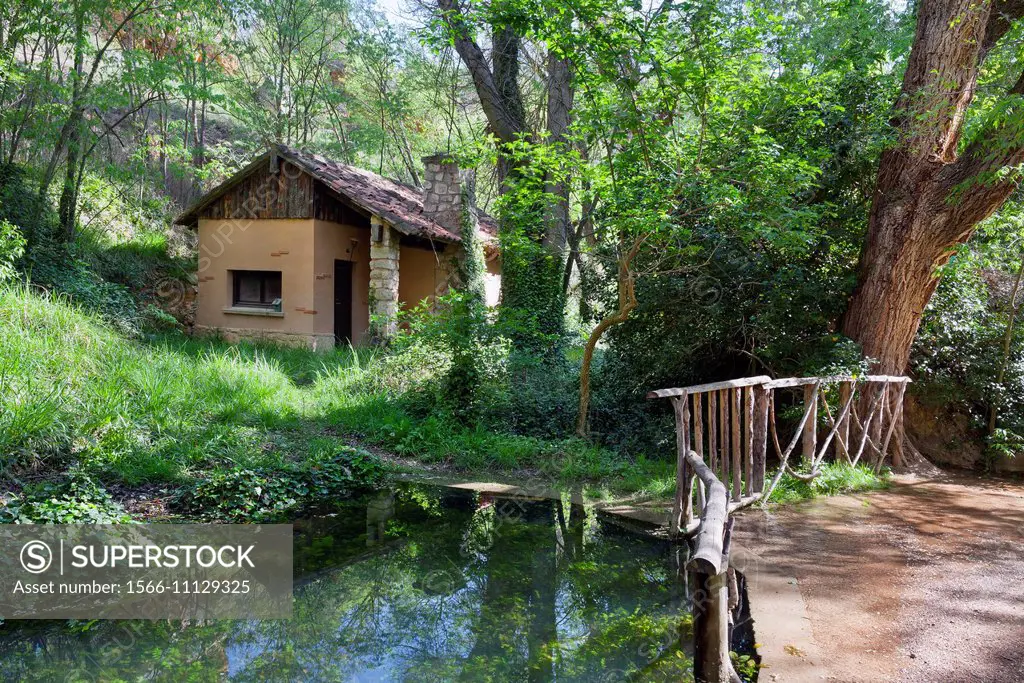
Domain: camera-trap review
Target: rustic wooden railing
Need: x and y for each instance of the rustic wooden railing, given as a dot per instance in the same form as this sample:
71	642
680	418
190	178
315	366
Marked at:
722	435
709	563
729	425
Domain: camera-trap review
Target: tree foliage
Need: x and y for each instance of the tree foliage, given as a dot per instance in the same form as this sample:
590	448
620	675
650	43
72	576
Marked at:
684	189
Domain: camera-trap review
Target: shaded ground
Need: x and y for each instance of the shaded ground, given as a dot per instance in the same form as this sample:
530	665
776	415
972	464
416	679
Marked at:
923	582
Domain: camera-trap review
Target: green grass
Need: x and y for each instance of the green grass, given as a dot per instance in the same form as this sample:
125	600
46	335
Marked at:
835	478
70	386
169	408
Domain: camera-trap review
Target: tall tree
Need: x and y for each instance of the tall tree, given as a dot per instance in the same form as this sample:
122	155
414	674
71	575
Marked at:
96	28
535	240
933	189
290	51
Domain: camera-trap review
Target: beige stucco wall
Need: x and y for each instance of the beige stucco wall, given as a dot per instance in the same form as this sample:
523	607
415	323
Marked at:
492	279
422	273
304	251
284	245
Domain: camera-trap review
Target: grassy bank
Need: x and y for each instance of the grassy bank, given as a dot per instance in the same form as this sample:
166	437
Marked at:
834	478
217	419
167	409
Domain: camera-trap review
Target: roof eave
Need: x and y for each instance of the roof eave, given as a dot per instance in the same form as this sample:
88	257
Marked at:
190	217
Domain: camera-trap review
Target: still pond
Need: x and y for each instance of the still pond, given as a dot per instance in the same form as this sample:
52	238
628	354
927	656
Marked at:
416	583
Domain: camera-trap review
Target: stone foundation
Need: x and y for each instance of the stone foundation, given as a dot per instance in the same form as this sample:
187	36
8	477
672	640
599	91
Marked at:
233	335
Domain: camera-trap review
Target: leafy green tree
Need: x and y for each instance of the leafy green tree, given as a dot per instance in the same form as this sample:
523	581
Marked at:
12	248
946	170
534	205
106	21
290	58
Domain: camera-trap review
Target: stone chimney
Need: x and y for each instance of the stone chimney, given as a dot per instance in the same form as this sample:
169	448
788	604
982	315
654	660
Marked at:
445	187
449	197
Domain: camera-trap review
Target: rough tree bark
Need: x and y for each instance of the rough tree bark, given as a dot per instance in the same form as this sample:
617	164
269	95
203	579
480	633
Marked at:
928	199
560	101
497	88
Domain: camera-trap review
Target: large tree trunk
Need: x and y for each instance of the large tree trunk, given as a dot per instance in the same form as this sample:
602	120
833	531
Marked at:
927	199
560	101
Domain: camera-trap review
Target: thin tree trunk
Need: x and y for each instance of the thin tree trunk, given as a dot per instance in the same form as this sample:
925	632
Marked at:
560	101
71	135
200	156
996	399
627	302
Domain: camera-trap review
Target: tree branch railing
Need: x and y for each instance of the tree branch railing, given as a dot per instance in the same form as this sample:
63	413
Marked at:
730	424
722	434
709	563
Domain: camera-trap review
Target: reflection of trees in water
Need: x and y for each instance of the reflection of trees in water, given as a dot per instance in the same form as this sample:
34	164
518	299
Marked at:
108	650
425	589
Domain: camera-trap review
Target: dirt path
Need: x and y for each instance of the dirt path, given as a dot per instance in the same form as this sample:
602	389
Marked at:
923	582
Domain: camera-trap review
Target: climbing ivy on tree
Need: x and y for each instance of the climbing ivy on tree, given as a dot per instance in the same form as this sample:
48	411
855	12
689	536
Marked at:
472	266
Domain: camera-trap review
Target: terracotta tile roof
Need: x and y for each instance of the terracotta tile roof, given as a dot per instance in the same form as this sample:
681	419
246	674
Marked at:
399	204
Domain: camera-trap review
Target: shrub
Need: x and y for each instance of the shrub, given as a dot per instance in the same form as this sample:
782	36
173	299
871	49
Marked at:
120	247
1002	444
835	478
12	248
75	499
19	205
244	494
61	268
460	354
456	362
159	319
537	398
962	358
241	494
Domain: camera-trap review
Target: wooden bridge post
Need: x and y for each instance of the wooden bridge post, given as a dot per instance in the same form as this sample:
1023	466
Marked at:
713	430
843	435
897	446
698	426
895	407
878	424
748	446
737	445
698	442
712	663
682	507
709	562
810	441
723	434
759	449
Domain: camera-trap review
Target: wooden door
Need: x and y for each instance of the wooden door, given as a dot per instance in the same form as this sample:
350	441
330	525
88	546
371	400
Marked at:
342	302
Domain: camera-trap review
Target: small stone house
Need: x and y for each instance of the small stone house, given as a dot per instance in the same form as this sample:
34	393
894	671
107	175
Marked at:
299	249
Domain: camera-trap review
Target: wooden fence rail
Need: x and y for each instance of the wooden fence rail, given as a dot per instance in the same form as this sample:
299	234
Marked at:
731	424
723	431
709	562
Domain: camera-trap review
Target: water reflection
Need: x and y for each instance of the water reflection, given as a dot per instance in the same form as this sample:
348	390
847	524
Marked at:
416	584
